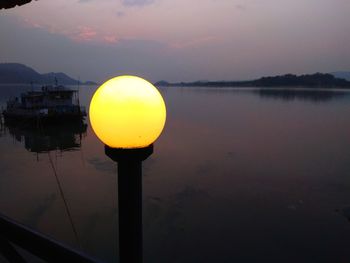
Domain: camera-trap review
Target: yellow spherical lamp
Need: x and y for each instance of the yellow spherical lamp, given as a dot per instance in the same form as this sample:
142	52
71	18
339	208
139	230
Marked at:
127	112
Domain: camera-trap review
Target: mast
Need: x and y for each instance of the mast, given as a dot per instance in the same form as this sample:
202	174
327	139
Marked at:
78	92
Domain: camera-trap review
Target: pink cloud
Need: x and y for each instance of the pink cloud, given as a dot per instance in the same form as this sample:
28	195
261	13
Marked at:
84	34
78	34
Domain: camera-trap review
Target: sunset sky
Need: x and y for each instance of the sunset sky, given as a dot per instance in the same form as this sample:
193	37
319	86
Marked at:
178	40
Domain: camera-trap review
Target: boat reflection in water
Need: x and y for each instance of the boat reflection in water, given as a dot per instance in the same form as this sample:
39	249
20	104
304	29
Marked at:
39	137
43	139
46	120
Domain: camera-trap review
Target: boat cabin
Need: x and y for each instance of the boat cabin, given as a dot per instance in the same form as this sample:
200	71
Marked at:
49	97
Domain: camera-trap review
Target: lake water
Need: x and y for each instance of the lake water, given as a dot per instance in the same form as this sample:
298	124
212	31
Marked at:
238	175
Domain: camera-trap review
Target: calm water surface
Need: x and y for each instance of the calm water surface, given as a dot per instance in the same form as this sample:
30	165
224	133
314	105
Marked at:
237	176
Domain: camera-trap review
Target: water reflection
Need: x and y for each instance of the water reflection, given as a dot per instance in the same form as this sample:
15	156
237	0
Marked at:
236	177
300	94
42	139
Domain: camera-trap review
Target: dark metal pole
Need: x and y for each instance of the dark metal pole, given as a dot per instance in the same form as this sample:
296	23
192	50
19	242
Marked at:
130	211
130	200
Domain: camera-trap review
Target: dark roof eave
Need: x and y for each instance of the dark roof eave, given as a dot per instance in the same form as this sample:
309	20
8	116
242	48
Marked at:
7	4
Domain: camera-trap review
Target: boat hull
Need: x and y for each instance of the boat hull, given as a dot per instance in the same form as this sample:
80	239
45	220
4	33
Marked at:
37	119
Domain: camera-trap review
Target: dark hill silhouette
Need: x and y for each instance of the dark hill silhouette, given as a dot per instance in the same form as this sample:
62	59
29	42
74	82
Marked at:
61	78
314	80
289	80
15	73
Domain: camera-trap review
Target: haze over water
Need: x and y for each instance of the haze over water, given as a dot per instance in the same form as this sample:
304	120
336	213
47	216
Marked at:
238	175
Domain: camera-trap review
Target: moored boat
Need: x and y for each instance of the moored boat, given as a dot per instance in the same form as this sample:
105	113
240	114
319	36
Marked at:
51	104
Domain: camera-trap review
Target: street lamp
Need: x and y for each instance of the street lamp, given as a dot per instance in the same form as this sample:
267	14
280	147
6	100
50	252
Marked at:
128	114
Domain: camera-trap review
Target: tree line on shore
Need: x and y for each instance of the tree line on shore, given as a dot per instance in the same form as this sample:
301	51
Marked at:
289	80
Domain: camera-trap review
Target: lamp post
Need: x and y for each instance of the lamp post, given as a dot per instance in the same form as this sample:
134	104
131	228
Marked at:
128	114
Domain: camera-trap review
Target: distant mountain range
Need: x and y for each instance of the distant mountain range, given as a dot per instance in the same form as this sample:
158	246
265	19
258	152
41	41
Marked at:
15	73
313	80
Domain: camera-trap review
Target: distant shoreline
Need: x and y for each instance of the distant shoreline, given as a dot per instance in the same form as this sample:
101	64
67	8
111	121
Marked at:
317	80
280	88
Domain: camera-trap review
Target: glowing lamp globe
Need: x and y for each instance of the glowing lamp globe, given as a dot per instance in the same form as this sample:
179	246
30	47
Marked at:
127	112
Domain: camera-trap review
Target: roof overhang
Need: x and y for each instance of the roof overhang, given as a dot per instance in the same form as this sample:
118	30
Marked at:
7	4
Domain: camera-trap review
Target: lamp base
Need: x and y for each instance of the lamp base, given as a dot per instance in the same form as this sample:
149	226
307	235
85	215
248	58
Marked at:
122	154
